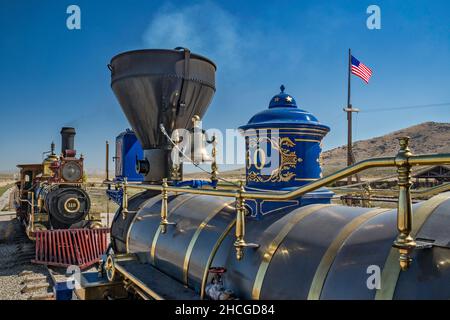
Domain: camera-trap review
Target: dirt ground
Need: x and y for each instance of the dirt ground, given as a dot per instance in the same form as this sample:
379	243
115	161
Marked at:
16	252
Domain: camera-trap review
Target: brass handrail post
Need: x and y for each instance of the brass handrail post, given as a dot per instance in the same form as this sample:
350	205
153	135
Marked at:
404	242
32	211
107	161
164	207
240	243
125	198
214	167
175	172
367	194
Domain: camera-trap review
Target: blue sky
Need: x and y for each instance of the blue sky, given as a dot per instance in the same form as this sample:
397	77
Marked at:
52	76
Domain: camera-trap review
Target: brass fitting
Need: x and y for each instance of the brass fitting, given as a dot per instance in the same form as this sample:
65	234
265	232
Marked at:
404	242
125	199
240	242
214	167
367	193
40	203
110	268
175	172
165	195
31	196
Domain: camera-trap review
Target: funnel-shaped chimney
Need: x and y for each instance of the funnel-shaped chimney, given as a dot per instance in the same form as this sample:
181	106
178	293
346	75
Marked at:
67	139
161	86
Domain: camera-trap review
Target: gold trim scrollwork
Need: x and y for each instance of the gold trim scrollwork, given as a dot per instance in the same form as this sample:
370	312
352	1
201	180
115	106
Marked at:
288	159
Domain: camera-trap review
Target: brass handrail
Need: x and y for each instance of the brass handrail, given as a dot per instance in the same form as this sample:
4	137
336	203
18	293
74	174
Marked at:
433	159
343	173
403	161
389	192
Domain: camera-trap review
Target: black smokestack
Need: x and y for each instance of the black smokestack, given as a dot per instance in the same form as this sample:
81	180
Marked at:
67	139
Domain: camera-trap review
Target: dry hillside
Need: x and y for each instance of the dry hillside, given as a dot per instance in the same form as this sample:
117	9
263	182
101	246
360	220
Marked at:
427	137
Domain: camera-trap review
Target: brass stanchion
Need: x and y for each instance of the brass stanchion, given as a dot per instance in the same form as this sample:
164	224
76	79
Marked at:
125	199
404	242
214	167
240	243
165	195
32	210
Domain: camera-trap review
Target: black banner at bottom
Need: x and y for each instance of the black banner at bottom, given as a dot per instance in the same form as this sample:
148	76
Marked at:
237	309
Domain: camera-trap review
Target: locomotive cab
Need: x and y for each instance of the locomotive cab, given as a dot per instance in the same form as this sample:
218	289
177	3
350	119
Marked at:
28	174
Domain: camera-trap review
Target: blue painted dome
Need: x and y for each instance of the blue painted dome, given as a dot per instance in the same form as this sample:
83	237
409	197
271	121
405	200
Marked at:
283	152
283	112
282	100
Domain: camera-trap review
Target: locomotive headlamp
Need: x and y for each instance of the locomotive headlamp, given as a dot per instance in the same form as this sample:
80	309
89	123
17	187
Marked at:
71	171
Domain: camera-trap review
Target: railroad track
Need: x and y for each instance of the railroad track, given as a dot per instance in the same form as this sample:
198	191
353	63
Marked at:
36	286
19	278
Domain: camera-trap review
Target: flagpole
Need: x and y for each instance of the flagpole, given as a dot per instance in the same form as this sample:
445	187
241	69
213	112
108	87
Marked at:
349	117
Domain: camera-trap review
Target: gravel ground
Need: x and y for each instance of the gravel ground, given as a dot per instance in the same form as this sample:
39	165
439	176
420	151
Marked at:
4	198
16	252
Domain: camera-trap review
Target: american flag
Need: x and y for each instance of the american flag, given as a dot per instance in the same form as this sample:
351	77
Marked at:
361	70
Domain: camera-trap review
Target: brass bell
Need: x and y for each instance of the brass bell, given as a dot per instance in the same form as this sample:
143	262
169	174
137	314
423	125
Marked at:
199	139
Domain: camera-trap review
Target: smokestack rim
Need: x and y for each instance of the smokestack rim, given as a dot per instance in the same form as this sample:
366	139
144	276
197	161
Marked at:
68	130
181	53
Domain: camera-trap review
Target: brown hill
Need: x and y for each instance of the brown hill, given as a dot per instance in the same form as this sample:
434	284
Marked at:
427	137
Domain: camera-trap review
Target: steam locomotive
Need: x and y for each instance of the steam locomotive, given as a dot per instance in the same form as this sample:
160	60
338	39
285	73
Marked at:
276	236
50	195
